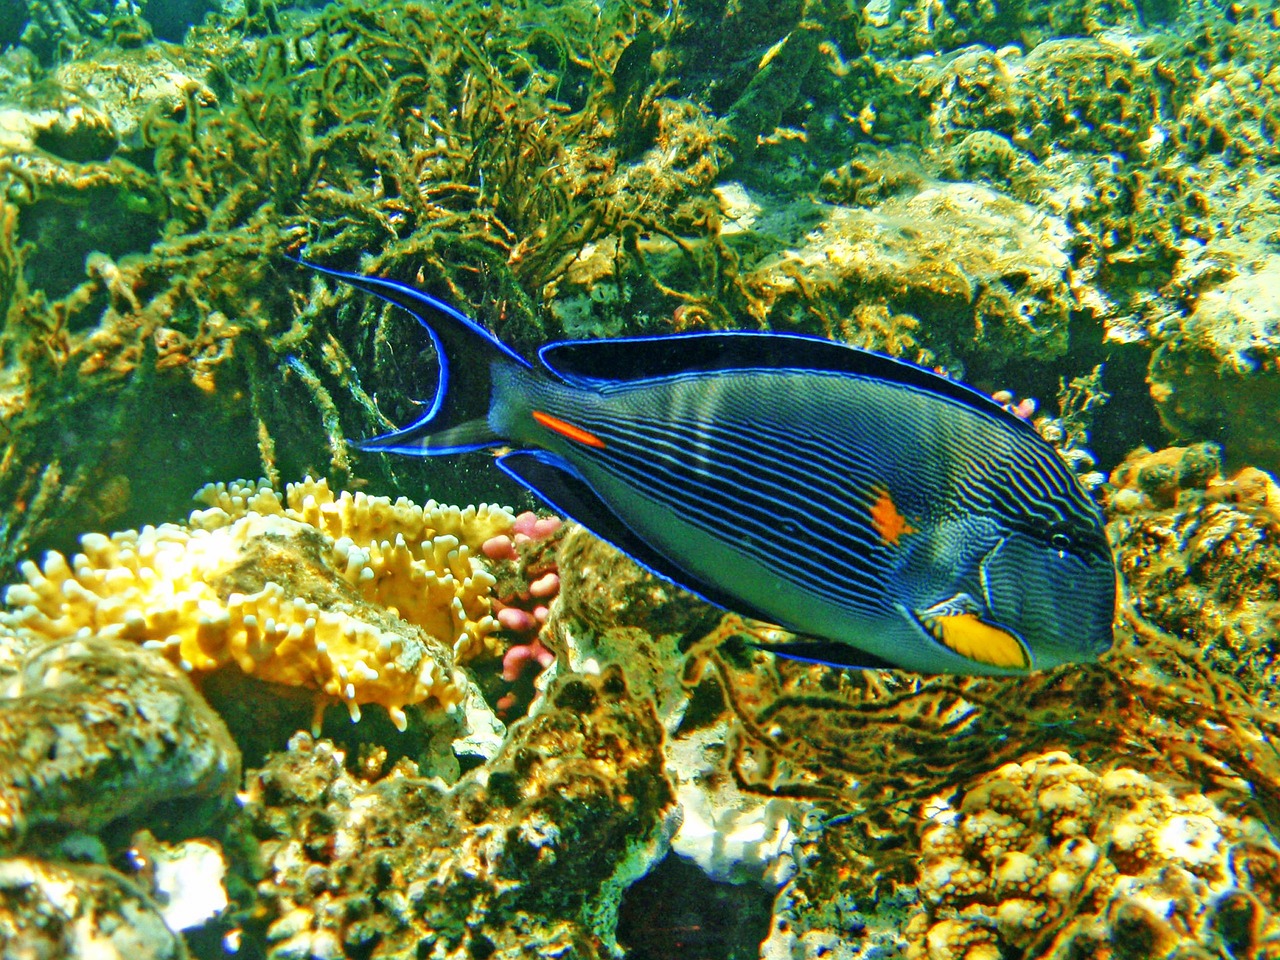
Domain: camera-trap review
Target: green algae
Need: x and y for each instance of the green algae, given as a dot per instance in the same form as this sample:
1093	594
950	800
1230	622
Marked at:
426	143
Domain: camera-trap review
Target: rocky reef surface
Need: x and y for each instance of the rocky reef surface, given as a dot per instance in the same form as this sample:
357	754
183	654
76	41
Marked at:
310	721
1125	808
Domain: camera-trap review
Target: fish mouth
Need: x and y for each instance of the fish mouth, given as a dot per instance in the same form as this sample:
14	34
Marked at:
957	626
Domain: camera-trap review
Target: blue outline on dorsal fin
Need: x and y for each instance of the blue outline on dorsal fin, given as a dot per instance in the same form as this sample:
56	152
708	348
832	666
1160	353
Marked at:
600	364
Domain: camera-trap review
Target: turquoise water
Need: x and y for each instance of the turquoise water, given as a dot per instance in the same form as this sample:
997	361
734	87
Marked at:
1073	207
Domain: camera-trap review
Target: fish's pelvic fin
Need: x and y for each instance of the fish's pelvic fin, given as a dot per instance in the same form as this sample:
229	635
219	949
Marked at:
957	625
467	354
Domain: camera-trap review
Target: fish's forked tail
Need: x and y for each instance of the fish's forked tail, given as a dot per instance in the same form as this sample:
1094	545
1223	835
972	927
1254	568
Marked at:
456	420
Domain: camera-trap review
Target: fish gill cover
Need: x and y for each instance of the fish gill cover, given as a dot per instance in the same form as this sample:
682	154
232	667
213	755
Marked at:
1056	200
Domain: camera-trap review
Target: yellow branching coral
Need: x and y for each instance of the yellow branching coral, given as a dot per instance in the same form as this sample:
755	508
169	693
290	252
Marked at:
364	599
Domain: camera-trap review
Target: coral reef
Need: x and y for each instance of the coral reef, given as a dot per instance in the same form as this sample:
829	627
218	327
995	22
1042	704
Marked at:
362	599
523	597
96	732
983	274
478	157
1199	558
79	912
1052	859
1216	370
1039	195
532	853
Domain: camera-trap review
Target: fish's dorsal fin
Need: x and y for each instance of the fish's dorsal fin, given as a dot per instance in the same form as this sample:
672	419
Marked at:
596	364
455	420
556	482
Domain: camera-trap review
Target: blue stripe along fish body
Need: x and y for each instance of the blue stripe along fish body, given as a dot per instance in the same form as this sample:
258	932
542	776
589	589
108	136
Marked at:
889	516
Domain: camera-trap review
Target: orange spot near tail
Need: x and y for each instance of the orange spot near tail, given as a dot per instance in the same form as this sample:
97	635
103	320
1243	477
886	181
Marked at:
576	434
889	525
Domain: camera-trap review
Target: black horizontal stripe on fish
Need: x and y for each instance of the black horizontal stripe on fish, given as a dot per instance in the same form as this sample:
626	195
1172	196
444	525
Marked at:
974	496
817	519
743	472
1037	485
749	519
618	429
569	494
734	501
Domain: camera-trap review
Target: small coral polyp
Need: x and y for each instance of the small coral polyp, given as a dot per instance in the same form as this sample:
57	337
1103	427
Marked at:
363	599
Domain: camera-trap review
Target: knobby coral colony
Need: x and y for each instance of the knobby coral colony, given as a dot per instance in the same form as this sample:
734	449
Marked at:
363	599
1050	858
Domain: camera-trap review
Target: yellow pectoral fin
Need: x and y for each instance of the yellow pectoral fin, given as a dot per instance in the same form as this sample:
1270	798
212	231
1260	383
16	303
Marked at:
980	641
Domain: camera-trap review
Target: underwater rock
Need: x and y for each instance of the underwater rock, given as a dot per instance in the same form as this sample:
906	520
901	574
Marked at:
731	835
78	912
1215	372
54	28
986	276
895	28
530	853
95	730
1235	112
1198	553
358	598
612	613
1074	94
187	878
132	88
1054	859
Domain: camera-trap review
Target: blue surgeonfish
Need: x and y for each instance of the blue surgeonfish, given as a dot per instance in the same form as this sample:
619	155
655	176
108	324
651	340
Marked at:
886	515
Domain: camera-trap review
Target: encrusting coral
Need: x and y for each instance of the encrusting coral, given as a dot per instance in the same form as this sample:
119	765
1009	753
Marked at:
527	856
95	731
1198	553
363	599
80	911
1052	859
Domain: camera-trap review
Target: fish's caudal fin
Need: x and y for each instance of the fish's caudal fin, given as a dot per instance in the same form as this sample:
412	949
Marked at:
457	418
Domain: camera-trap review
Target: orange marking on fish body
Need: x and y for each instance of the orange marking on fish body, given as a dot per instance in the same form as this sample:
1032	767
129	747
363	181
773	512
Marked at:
576	434
890	525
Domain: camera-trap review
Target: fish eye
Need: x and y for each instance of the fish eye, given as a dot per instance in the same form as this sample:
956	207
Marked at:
1060	542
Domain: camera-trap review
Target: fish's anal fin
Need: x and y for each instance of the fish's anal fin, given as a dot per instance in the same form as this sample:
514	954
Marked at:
567	430
887	522
556	482
956	625
828	653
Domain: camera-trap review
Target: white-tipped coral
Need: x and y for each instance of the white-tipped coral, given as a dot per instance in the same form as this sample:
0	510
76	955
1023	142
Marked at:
360	598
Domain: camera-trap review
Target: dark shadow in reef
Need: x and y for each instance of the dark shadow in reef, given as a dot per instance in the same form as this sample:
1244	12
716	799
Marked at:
678	913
